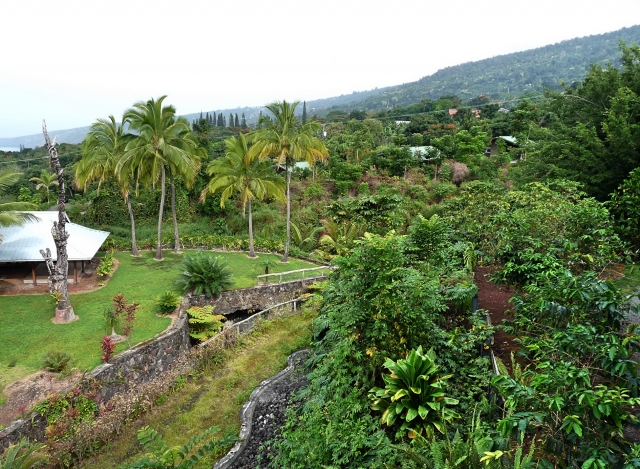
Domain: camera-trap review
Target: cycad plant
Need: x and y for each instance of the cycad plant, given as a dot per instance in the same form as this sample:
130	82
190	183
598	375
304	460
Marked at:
414	394
205	274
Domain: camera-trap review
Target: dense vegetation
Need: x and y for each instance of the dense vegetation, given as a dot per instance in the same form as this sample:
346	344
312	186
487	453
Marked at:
407	211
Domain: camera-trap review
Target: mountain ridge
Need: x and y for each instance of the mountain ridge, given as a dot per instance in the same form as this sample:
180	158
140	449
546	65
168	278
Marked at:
518	72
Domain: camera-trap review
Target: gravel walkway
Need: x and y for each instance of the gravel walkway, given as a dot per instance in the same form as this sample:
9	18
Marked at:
268	417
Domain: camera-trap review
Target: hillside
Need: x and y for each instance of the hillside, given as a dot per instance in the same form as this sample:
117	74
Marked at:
505	76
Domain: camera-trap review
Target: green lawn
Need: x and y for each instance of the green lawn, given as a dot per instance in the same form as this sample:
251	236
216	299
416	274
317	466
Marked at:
26	330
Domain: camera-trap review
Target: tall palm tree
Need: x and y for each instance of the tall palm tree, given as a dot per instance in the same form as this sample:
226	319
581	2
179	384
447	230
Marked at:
11	212
101	150
285	139
45	181
160	142
237	173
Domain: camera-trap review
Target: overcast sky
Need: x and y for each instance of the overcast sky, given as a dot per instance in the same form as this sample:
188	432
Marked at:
72	61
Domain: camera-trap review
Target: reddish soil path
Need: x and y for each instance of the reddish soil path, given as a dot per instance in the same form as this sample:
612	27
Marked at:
495	299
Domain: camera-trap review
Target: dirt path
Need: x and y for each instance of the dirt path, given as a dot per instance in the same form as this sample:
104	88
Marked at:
495	299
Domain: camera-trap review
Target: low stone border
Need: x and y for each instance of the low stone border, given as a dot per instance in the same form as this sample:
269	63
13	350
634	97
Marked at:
247	412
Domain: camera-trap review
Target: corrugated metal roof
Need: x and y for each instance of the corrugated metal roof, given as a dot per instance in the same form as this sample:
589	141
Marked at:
23	243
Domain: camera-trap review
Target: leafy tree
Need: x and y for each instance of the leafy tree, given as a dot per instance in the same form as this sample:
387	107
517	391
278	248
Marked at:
243	122
163	142
237	173
45	181
10	212
102	150
286	140
625	208
236	121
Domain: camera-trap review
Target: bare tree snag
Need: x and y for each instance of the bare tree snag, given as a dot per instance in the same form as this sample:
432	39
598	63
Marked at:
58	274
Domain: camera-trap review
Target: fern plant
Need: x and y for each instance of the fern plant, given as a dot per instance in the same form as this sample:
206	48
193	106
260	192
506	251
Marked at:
204	274
203	323
56	361
168	302
162	456
414	392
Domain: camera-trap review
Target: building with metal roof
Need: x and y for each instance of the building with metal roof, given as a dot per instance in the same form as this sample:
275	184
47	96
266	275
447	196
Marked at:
22	244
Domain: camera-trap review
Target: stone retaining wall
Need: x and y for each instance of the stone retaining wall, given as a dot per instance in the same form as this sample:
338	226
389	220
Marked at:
256	298
151	358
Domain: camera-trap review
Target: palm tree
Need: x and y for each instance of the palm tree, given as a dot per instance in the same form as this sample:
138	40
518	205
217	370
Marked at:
237	173
45	181
287	140
161	142
11	212
101	150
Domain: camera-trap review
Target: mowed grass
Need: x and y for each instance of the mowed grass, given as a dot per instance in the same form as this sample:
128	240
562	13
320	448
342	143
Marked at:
216	397
27	333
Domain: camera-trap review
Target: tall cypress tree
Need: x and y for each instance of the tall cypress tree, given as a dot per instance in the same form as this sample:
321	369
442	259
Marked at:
230	120
236	122
304	112
214	119
243	123
224	121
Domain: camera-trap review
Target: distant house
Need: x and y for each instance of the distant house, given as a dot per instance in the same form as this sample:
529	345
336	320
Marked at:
403	122
453	112
509	141
22	244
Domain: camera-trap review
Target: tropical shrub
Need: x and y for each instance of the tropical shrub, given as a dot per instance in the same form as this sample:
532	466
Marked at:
106	265
203	323
414	392
108	347
56	361
168	302
205	274
21	456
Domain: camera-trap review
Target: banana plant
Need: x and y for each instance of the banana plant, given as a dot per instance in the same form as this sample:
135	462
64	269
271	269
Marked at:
414	394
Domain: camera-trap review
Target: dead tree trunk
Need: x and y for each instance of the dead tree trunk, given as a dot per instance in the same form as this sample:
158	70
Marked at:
58	277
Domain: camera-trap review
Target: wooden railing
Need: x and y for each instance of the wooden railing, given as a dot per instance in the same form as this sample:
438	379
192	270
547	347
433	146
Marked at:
299	274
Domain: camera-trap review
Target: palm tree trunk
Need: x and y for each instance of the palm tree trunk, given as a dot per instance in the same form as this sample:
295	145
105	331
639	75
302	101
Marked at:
176	235
160	213
134	244
285	258
252	251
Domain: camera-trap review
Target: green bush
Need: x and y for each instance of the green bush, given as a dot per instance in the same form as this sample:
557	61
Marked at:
414	392
106	266
205	274
56	361
168	302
